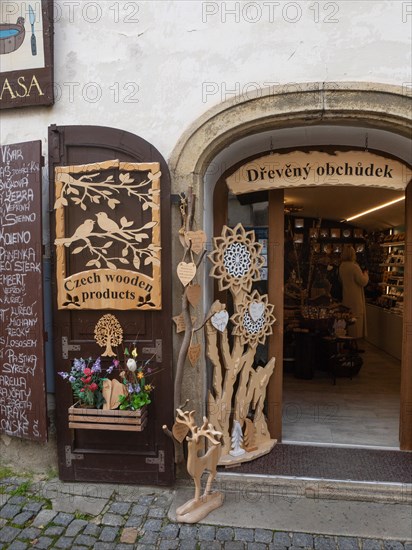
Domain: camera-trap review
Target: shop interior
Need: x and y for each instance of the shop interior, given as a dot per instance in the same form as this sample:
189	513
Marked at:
336	390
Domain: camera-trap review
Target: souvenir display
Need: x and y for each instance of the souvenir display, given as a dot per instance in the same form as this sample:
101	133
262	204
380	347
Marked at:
237	384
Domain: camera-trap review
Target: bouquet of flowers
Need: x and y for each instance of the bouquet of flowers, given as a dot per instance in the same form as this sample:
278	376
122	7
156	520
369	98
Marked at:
86	380
134	378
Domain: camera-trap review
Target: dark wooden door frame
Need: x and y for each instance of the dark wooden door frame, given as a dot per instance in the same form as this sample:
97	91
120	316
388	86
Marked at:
275	292
405	424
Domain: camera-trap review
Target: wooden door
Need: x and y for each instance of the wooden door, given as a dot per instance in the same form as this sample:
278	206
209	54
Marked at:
95	455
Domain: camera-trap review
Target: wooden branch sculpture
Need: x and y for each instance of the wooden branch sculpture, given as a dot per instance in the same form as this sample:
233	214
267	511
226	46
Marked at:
193	243
239	388
202	504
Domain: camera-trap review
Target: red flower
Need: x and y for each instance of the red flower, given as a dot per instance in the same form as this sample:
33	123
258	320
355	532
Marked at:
93	387
87	371
86	380
82	389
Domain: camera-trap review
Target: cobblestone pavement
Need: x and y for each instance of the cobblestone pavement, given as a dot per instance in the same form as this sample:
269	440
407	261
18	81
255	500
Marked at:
28	521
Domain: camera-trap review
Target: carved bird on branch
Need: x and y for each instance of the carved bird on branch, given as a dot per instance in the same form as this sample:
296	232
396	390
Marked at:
81	233
105	223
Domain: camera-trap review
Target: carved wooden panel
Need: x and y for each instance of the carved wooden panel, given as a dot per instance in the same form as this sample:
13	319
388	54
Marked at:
108	246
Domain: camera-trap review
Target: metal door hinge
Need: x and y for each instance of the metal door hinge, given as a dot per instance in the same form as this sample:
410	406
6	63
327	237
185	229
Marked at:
71	456
66	347
156	351
160	460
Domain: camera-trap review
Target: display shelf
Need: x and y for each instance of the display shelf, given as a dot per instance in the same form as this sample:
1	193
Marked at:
393	243
392	275
385	329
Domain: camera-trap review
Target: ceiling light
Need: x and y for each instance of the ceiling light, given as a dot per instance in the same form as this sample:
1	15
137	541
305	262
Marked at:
373	209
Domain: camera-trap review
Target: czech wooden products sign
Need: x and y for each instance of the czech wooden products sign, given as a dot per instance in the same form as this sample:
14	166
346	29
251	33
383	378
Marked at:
108	236
22	380
26	64
304	168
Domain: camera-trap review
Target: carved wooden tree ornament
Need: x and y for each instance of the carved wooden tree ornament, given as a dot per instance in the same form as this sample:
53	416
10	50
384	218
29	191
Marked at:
202	504
107	333
236	401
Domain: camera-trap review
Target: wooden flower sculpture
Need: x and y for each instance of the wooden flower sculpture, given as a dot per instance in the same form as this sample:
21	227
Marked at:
236	400
108	332
253	319
236	258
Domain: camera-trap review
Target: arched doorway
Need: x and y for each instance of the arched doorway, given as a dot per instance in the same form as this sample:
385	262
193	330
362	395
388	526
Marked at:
379	109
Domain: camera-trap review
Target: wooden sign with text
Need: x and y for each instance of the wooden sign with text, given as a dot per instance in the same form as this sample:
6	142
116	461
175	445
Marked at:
305	168
22	362
26	53
108	236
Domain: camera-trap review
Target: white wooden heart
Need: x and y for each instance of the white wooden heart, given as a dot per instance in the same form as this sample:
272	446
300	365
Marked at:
186	272
220	320
256	310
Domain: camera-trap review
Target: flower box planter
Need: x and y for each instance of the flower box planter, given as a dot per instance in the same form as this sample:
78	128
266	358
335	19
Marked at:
99	419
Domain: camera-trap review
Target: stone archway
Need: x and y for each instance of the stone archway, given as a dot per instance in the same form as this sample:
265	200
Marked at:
369	105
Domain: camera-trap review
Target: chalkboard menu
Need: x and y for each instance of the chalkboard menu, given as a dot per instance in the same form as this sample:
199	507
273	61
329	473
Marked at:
22	369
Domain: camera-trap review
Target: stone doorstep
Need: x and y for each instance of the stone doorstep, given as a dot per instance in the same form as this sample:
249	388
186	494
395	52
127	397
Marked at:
245	506
55	488
293	487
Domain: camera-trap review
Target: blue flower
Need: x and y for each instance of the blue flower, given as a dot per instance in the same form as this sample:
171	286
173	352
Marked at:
72	379
96	365
64	375
137	388
110	369
130	388
78	364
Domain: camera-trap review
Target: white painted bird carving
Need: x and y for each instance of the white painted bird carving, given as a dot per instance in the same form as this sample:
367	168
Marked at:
81	233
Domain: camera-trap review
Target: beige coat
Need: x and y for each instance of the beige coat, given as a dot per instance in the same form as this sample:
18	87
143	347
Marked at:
353	281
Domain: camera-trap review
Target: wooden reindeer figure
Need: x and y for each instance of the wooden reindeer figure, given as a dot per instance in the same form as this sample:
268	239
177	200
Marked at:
198	507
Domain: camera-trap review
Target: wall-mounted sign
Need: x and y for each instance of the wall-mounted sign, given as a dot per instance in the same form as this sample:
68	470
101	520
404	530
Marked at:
22	368
26	53
108	236
300	168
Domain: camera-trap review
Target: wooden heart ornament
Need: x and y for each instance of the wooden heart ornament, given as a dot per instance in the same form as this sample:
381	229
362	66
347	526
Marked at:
220	320
180	431
256	310
194	354
186	271
198	240
193	294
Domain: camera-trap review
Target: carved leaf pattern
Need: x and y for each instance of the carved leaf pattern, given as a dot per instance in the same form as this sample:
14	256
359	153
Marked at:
87	188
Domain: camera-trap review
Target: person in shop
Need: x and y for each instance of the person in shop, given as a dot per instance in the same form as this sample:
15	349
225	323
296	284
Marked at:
353	296
321	287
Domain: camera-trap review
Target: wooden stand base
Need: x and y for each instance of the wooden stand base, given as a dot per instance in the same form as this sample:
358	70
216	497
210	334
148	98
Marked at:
263	449
195	510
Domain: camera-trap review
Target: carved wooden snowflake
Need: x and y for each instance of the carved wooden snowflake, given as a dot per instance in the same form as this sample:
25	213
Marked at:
253	319
236	258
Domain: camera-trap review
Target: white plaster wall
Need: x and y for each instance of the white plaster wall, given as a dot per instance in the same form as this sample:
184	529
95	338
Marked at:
156	66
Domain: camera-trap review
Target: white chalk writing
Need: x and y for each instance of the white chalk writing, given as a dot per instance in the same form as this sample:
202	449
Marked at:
21	349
